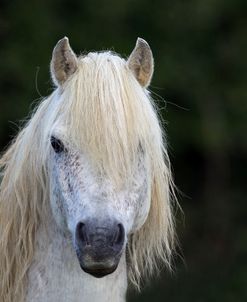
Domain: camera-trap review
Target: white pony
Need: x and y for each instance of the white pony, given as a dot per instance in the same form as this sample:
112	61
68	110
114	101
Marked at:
85	196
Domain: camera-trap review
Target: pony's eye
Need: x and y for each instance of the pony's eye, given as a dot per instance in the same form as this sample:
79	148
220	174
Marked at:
57	145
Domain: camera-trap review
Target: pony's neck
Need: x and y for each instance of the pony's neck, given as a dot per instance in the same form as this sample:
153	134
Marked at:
55	274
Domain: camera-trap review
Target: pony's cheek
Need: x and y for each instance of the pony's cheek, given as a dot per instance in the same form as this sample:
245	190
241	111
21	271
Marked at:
59	203
58	212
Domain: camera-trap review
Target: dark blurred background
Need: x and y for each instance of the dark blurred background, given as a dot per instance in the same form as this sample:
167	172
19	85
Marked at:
200	49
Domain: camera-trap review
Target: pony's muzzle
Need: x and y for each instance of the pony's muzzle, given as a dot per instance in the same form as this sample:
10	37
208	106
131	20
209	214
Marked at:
99	246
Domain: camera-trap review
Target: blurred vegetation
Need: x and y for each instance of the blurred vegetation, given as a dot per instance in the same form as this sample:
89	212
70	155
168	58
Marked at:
200	51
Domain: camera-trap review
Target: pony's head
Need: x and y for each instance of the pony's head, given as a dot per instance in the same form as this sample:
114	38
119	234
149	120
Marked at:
95	150
100	162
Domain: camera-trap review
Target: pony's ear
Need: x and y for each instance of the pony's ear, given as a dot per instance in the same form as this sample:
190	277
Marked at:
64	62
141	62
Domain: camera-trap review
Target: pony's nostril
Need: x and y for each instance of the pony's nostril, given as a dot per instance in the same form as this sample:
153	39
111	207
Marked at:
81	233
119	235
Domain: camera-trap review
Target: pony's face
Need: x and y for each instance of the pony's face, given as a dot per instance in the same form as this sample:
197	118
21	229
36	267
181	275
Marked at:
92	209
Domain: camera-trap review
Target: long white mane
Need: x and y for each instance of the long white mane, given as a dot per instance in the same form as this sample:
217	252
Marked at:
107	113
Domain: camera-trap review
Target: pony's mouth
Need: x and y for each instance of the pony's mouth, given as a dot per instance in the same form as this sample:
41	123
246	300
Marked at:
99	271
98	267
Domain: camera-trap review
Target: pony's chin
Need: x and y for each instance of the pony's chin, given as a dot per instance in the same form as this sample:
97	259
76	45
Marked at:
99	271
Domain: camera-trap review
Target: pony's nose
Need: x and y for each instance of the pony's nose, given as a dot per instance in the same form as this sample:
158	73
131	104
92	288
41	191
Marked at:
111	236
99	246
